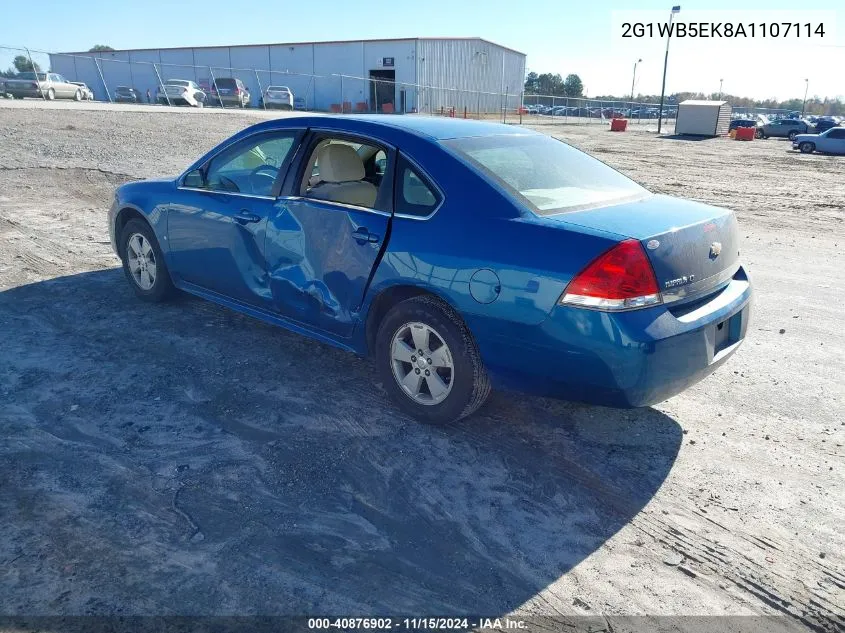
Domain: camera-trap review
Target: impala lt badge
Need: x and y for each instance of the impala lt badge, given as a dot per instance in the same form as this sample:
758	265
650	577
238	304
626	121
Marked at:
680	281
715	249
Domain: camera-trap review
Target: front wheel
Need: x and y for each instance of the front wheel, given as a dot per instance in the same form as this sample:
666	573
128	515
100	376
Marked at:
806	147
51	94
77	96
143	262
429	362
758	134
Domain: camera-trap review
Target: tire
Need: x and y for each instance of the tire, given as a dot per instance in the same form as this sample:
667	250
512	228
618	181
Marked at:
468	382
807	147
162	286
758	134
792	135
287	107
77	96
51	94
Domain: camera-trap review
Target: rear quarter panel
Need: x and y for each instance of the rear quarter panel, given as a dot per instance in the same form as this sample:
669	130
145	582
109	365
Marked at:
478	228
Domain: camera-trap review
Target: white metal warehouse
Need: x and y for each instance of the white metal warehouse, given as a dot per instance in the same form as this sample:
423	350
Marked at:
401	75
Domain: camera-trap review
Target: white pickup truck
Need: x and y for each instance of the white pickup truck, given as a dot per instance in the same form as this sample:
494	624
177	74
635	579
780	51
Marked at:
48	86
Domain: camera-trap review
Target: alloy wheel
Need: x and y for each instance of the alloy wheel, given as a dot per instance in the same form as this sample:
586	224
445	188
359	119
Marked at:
422	363
140	257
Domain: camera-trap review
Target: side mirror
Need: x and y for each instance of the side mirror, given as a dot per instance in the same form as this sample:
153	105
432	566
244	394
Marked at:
194	179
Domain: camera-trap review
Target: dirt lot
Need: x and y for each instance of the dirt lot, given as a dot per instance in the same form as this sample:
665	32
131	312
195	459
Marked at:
181	459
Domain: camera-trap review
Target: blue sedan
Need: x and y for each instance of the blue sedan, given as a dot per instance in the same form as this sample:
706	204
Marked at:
461	255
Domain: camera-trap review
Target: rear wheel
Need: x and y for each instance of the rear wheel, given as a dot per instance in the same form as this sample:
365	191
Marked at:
792	135
77	95
806	147
143	262
758	134
429	362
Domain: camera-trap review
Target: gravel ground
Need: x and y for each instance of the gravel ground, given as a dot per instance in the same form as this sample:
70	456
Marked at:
182	459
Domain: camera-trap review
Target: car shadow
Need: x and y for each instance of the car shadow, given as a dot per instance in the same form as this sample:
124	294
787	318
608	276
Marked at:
183	459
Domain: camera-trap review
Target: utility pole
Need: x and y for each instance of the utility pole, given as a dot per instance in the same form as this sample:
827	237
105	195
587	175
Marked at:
634	80
804	105
675	9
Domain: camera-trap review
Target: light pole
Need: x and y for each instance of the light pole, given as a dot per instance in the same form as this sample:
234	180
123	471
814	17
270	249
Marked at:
803	105
720	89
675	9
634	80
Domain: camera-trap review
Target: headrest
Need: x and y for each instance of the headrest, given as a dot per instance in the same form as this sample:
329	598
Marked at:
339	163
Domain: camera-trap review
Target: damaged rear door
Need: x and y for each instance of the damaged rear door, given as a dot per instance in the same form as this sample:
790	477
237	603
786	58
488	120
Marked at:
324	241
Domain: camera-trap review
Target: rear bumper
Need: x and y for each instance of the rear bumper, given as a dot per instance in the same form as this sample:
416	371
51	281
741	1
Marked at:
624	359
24	92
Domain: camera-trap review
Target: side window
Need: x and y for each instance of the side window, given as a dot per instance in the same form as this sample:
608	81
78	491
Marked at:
836	133
413	194
339	170
250	168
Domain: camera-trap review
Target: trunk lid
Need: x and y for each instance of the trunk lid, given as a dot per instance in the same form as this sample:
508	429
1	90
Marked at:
693	247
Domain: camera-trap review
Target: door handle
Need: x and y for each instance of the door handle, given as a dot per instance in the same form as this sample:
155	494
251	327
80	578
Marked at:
245	217
363	235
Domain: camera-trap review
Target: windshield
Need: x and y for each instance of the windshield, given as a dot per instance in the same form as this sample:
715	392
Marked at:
31	75
177	82
546	175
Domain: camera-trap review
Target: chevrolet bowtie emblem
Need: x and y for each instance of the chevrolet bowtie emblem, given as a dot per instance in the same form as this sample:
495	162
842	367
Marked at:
715	249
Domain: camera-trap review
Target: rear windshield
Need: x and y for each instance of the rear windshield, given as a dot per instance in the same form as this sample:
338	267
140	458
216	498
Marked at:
546	175
177	82
278	88
225	83
123	89
31	75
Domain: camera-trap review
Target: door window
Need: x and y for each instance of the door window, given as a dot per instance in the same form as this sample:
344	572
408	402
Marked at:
836	134
250	168
344	171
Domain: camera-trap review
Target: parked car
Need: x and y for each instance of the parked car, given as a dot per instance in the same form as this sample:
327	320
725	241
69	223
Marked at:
87	93
278	97
126	94
180	92
228	91
48	86
737	123
825	123
831	141
788	128
577	283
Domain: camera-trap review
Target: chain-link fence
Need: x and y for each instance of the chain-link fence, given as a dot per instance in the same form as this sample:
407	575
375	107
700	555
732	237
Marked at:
144	77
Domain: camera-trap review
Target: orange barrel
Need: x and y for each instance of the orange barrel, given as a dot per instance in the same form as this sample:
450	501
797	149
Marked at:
618	125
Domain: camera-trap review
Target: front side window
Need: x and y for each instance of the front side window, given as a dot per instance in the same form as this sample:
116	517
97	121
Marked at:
414	196
250	168
544	174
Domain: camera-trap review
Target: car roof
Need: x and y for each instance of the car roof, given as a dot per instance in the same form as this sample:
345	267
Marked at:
435	128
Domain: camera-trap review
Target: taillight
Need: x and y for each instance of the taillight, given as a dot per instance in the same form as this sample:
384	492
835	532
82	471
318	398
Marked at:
237	91
619	279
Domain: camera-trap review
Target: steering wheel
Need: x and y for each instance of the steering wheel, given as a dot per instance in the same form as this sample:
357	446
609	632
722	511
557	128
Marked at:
258	178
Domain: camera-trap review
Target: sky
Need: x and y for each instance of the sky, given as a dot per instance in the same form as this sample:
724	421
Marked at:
557	36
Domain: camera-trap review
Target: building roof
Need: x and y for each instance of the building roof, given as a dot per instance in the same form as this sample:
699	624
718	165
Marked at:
389	39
